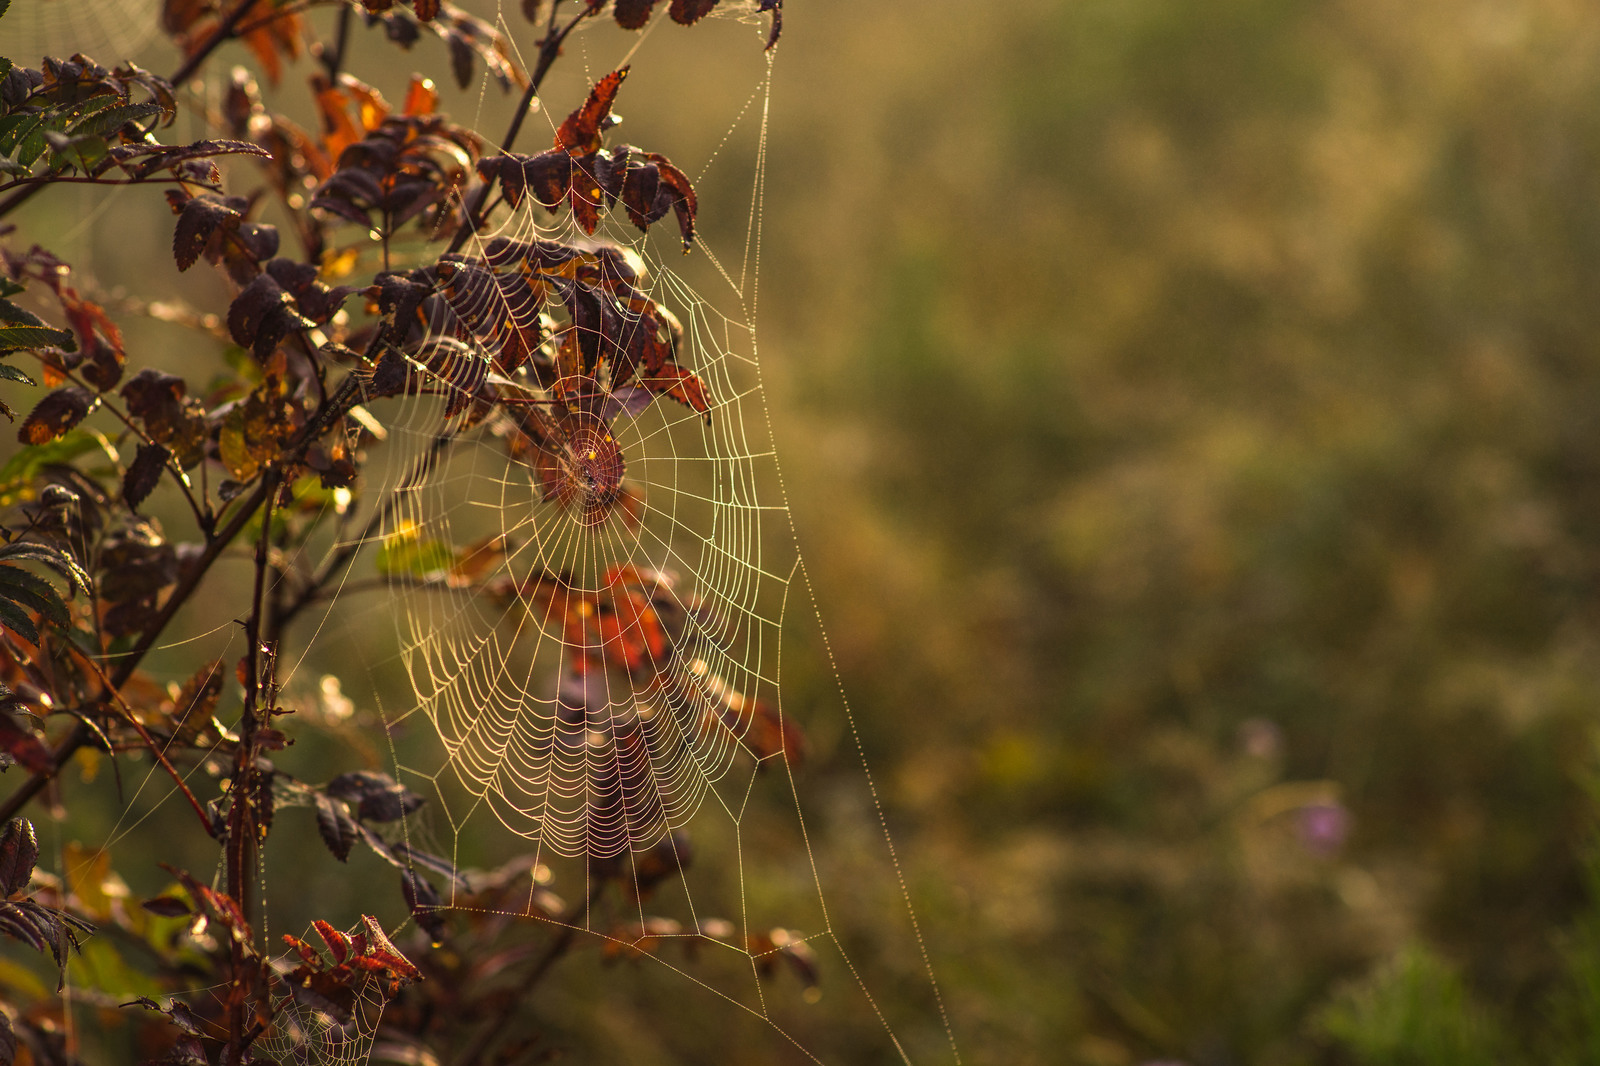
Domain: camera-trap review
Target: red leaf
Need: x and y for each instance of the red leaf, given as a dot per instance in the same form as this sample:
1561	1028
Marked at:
22	745
337	942
674	381
580	133
19	851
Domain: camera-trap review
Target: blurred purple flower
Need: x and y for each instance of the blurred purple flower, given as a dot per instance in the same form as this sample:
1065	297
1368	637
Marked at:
1323	828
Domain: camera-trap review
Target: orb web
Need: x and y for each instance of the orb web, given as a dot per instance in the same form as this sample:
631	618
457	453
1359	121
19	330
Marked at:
584	620
590	607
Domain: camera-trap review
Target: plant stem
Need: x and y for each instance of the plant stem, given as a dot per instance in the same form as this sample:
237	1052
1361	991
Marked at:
333	63
215	545
549	50
223	31
335	564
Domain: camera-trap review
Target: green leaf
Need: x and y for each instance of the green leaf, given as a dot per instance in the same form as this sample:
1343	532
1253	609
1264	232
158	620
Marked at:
17	620
13	128
10	312
112	119
17	475
49	555
14	338
34	593
405	552
4	4
11	373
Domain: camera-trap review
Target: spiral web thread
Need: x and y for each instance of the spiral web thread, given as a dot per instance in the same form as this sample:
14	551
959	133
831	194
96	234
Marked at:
522	674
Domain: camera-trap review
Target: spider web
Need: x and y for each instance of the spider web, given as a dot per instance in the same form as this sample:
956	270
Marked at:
110	30
682	778
592	639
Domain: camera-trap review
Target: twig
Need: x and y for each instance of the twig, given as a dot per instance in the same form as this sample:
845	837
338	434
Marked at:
332	63
69	179
243	823
223	32
149	741
549	50
215	545
312	591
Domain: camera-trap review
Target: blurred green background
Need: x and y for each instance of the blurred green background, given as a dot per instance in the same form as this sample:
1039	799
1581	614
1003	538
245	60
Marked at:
1191	414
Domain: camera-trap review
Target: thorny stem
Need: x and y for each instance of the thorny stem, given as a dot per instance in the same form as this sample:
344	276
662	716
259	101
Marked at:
549	50
243	823
518	1002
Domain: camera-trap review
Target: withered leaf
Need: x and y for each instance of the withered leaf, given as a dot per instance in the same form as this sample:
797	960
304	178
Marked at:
199	217
262	314
403	856
681	385
19	853
632	14
580	132
24	746
55	414
377	797
166	906
424	902
144	473
337	828
688	12
170	416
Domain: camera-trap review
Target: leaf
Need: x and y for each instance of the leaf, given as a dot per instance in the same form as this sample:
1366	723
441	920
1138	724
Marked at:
632	14
167	907
55	415
580	133
377	797
109	121
48	554
170	416
338	943
199	217
19	338
21	743
144	473
33	593
424	902
19	853
688	12
776	7
681	385
334	823
262	314
196	702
